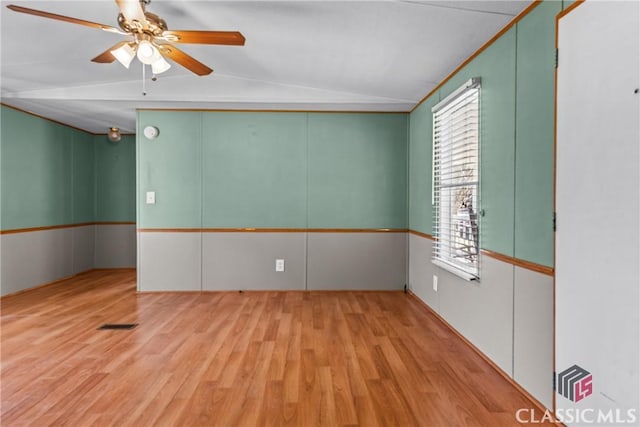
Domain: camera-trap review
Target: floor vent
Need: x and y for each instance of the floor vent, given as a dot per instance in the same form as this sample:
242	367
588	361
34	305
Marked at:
118	326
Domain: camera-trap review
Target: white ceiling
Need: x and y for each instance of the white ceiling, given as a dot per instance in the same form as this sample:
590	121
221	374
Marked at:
299	55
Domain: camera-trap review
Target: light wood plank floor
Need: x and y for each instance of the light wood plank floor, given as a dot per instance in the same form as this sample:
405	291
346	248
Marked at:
238	359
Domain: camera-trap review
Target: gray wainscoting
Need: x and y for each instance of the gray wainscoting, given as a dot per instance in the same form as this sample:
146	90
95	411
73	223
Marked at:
180	261
169	261
83	248
356	261
482	311
533	334
421	271
34	258
115	246
246	261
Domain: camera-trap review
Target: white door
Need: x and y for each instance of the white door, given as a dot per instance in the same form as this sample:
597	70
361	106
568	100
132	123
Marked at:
598	215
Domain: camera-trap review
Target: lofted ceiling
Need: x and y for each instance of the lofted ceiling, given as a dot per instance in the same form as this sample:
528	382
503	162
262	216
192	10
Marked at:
299	55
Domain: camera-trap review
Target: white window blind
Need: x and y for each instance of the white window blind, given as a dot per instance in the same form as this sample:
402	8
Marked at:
456	134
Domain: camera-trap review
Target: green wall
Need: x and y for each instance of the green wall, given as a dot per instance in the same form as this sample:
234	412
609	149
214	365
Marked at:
273	170
516	191
420	171
45	178
53	174
115	184
535	91
357	174
254	170
170	165
82	177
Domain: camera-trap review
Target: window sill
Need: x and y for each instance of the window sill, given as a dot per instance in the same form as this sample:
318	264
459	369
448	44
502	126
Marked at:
455	270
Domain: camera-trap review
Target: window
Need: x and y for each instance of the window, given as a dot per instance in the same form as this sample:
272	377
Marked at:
456	133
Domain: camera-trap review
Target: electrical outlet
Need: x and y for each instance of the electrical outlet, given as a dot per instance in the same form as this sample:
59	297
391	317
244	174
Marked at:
435	283
279	265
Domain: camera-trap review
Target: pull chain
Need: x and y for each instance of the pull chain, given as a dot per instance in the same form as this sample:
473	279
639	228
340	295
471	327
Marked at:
144	81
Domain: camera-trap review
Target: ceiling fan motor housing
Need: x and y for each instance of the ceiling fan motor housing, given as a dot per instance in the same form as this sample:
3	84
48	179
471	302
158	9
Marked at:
155	25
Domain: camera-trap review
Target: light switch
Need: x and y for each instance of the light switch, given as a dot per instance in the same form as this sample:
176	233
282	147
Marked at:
279	265
151	197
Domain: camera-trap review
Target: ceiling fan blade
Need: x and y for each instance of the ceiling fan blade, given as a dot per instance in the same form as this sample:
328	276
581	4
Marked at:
62	18
132	10
205	37
107	57
187	61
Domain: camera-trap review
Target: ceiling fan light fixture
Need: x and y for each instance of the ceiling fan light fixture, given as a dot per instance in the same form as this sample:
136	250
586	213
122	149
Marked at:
146	28
160	66
114	134
124	54
147	52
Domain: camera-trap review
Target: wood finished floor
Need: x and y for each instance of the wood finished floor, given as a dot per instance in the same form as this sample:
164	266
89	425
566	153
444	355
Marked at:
238	359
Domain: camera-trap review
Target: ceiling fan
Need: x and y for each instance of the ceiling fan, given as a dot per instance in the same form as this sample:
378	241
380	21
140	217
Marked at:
151	40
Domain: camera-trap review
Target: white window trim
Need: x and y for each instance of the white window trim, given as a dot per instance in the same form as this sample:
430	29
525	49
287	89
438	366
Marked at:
440	262
454	270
